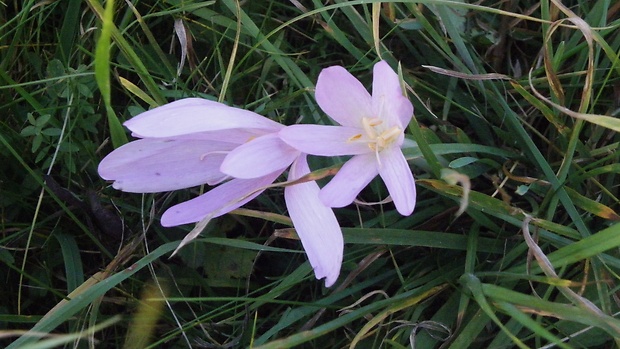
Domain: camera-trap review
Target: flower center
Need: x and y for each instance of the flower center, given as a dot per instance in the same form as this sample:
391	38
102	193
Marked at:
378	137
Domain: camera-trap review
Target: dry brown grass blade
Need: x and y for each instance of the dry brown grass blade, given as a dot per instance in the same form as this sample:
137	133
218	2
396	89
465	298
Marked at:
548	269
456	74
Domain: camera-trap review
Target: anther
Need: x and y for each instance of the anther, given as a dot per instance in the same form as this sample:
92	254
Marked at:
368	125
354	138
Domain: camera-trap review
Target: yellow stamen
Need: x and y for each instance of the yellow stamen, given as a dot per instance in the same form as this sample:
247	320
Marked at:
376	135
379	139
368	126
355	138
388	136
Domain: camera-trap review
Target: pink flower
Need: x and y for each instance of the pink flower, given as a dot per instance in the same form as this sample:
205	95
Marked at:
195	141
315	224
371	129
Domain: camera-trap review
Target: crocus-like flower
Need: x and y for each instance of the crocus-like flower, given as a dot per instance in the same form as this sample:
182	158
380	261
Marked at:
371	129
195	141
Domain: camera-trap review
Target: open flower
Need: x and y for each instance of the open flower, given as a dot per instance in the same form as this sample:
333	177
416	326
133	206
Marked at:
371	129
315	224
182	145
195	141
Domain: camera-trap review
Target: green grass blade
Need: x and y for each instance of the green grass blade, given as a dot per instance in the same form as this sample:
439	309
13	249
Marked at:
86	297
102	74
72	261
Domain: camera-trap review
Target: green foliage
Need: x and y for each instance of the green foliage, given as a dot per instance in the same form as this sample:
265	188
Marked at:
517	99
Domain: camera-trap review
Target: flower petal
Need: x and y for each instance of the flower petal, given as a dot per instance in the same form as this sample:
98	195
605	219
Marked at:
192	115
155	165
315	224
388	102
354	175
342	96
235	135
325	140
398	179
259	157
217	201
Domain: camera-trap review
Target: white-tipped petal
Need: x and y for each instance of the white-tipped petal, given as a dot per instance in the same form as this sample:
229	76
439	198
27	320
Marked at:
193	115
315	224
354	175
341	96
259	157
217	201
236	135
156	165
325	140
388	102
398	179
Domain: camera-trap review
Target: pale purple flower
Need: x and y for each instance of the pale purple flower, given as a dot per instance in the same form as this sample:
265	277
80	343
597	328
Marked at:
315	224
183	145
195	141
371	129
